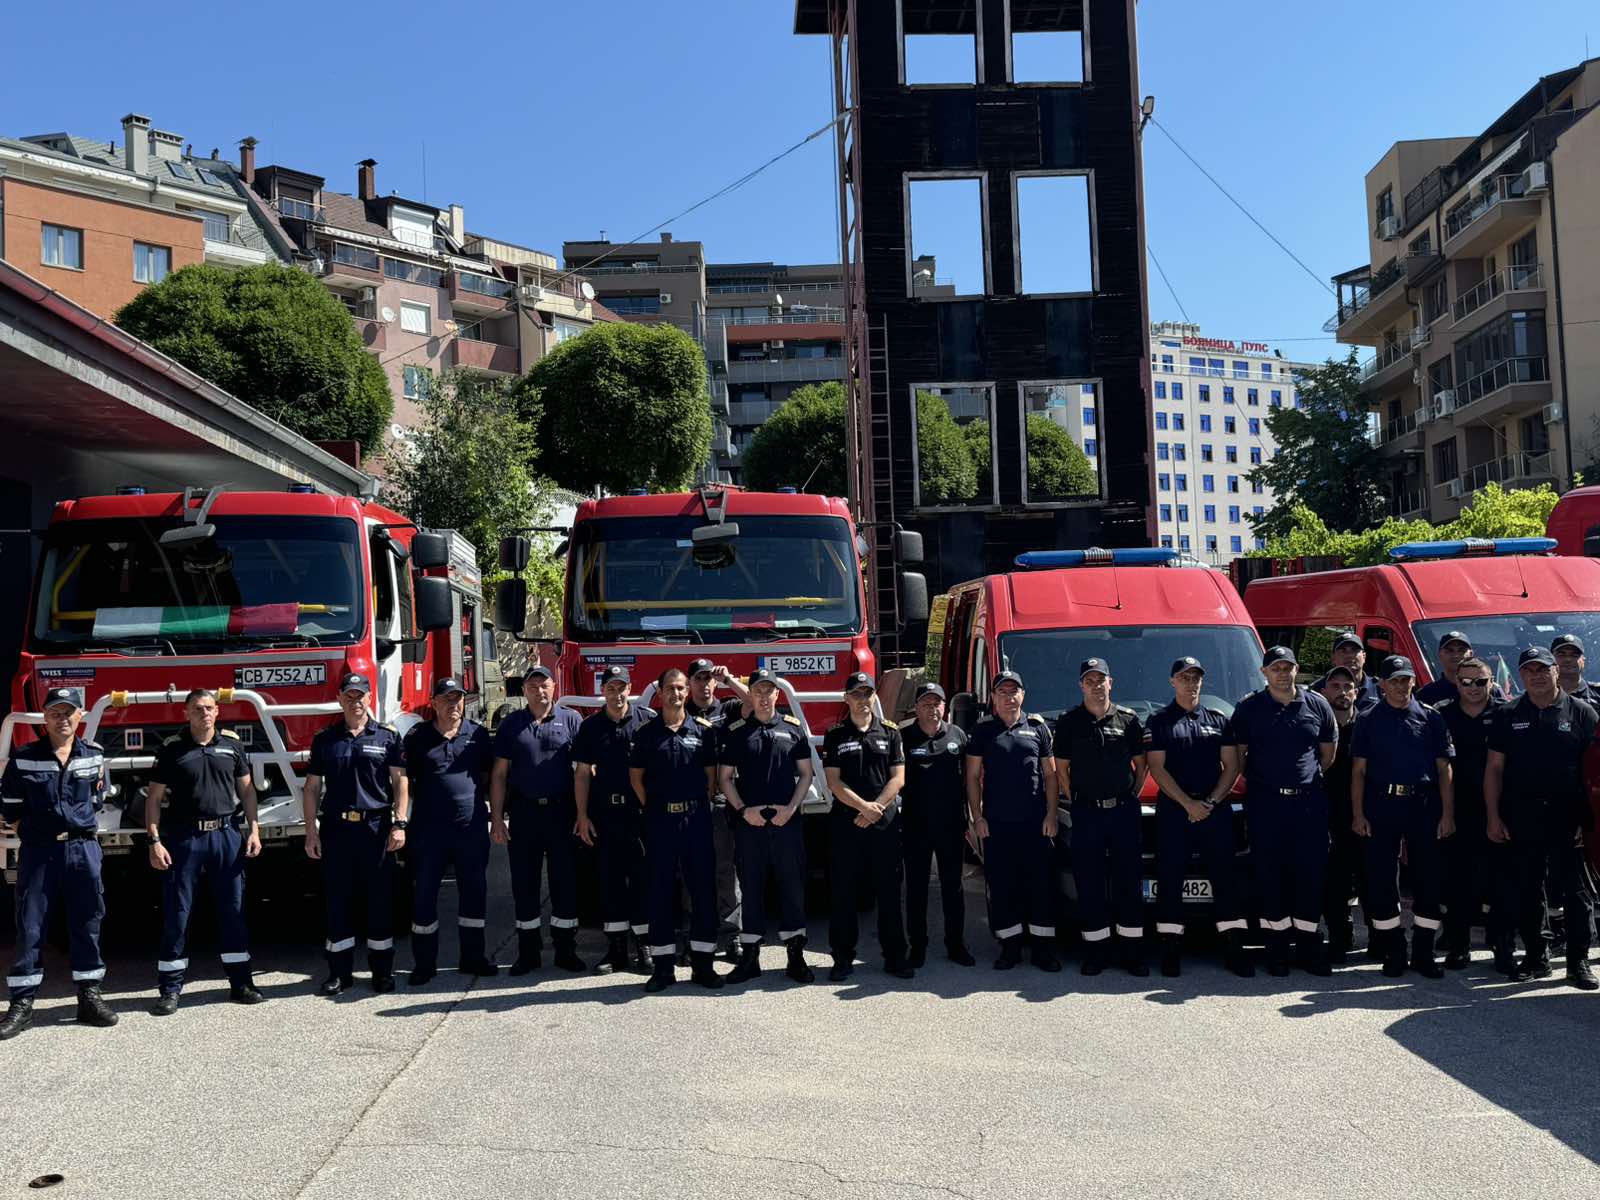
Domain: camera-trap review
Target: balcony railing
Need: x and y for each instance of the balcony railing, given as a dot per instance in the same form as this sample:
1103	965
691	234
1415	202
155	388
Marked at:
482	285
1519	278
298	210
1362	296
641	268
1509	469
561	283
786	370
814	316
1495	192
1408	502
1394	351
1527	369
1399	427
355	256
761	289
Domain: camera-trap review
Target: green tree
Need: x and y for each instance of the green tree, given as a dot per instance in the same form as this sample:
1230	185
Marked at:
802	444
621	406
1056	465
1325	459
980	448
274	337
944	461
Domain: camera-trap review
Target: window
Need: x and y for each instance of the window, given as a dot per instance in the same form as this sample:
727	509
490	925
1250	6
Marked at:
1197	366
1255	426
564	330
62	247
1231	453
1205	393
1215	367
945	221
151	264
1384	208
954	447
1230	424
1183	541
1166	541
633	306
1205	422
1161	389
1180	451
1266	370
1211	543
415	318
215	226
1183	512
1091	447
1233	514
1166	363
1277	398
1047	43
1161	452
1057	414
394	268
1236	543
1261	543
1088	416
1177	420
411	226
1233	484
1227	395
1055	234
1208	483
1166	512
938	42
1255	455
1210	514
1252	397
1297	399
416	382
1163	482
1445	467
1241	370
1206	454
1161	420
1181	482
1256	487
1177	391
1258	511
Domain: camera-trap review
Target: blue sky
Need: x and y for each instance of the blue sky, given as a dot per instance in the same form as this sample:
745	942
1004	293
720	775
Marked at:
551	120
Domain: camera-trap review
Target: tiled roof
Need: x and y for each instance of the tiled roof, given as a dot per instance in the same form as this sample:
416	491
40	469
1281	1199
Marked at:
343	211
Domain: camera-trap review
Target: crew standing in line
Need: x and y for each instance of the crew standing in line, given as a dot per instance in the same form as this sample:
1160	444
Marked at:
935	818
1568	652
1348	652
1101	763
1283	737
1400	791
1183	750
202	778
863	759
765	771
1469	858
1454	647
356	780
531	782
1533	789
609	818
447	762
1011	790
1346	853
704	679
53	788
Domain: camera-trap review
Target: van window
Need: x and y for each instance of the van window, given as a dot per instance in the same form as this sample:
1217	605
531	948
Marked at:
1312	645
1591	541
1499	640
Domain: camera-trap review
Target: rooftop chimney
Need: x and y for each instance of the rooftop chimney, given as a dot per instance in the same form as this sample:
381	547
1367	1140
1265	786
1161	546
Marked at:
458	224
135	142
168	147
666	237
247	161
367	179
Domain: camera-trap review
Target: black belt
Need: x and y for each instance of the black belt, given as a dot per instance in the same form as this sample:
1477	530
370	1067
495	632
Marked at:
619	800
1098	802
1408	789
211	825
676	807
69	835
1294	791
537	801
360	814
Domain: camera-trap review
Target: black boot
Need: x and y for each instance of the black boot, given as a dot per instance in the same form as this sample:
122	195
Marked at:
92	1008
1171	955
1422	960
166	1004
566	941
641	963
245	992
749	965
1535	964
798	969
334	984
19	1016
1580	975
960	955
1310	954
1010	953
1505	956
1133	958
703	969
1457	948
1277	953
1094	958
616	956
662	974
530	952
1043	955
1341	937
918	955
1394	952
1237	958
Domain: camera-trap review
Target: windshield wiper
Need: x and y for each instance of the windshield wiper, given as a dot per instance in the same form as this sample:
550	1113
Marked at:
802	627
129	644
281	641
660	638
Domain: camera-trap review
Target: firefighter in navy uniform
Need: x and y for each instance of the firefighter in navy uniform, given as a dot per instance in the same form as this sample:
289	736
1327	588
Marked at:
54	787
1568	653
1282	738
202	778
935	801
610	820
1454	646
1346	853
1011	792
1469	858
1400	791
447	762
704	679
864	759
1533	789
531	782
1183	750
1351	654
764	766
1101	763
356	781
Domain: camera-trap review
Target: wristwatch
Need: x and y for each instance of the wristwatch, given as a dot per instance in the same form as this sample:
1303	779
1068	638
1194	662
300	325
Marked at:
152	839
400	825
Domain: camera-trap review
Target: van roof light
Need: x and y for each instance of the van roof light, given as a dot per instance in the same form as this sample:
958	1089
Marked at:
1471	548
1094	556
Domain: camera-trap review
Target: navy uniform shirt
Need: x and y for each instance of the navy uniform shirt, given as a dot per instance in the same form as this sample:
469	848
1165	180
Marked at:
50	796
864	758
201	781
607	746
719	712
1544	747
1192	743
1336	779
1470	736
354	767
1402	746
674	761
540	753
765	757
1283	740
1100	750
935	794
448	775
1013	765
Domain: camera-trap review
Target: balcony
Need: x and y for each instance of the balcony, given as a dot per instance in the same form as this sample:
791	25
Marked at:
749	413
1419	264
374	334
1499	211
612	269
1514	287
820	315
1372	304
482	295
1512	471
1399	429
297	210
1511	385
719	397
1392	362
1412	501
785	370
489	357
768	288
351	266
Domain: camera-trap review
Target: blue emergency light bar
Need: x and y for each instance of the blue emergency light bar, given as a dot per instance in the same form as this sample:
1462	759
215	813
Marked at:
1472	548
1139	556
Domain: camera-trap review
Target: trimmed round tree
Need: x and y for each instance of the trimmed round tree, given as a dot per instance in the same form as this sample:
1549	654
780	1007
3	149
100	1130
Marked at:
801	445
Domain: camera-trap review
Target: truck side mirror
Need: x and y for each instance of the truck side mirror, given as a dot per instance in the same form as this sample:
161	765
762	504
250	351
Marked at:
511	605
964	711
908	547
434	609
913	597
514	557
430	550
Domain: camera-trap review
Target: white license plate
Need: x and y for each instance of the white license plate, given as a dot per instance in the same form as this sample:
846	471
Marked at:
799	664
287	675
1195	891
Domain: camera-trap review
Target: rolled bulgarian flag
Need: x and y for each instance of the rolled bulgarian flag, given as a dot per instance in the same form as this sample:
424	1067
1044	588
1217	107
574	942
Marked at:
209	620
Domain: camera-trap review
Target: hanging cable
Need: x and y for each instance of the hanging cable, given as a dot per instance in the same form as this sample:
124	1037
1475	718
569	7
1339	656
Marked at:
1172	291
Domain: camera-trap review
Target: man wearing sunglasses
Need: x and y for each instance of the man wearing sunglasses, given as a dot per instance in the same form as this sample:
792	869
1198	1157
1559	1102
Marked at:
1469	859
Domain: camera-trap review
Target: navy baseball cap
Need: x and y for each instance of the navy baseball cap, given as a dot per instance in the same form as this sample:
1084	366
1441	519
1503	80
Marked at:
1006	676
63	695
612	673
699	666
928	689
1348	638
1332	671
1187	663
859	679
761	675
1278	654
447	685
1093	664
1396	666
1455	635
1567	639
537	669
355	682
1535	655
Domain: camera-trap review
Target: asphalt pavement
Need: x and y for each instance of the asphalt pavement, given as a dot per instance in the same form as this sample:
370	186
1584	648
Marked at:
964	1082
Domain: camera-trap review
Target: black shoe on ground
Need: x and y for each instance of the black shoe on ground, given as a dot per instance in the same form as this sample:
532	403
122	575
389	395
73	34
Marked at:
334	984
616	956
1134	964
166	1004
1045	959
704	971
93	1009
1532	966
1581	976
1394	968
245	993
567	959
1458	960
1092	963
961	956
1426	965
1277	967
422	975
1171	961
1237	956
530	952
748	966
798	969
478	966
662	976
731	953
19	1016
383	984
900	970
1505	961
1010	954
840	971
918	955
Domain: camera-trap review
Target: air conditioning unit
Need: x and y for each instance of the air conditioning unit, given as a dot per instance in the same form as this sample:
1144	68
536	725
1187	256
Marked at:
369	295
1424	415
1388	229
666	297
1535	177
1445	401
1456	489
1552	413
532	291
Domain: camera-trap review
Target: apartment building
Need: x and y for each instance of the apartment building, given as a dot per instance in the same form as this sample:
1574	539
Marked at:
1480	301
1210	399
99	220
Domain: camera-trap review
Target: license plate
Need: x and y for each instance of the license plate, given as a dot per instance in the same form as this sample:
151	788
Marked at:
286	675
1195	891
799	664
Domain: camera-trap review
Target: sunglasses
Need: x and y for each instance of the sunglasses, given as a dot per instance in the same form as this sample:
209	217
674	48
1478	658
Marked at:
1473	682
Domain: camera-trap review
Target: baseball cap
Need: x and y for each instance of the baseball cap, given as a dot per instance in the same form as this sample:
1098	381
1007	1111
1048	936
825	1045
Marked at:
1567	639
1348	638
1455	635
1093	664
612	673
1396	666
928	688
447	685
64	695
538	669
1536	654
355	682
1278	654
859	679
1332	671
1187	663
699	665
761	675
1006	676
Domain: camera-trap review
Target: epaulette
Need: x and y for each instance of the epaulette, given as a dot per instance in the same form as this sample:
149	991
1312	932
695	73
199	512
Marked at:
1127	712
888	724
385	726
1037	719
704	722
791	718
739	724
228	733
88	745
168	741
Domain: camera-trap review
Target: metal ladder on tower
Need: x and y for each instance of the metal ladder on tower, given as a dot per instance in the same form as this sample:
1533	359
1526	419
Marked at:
880	495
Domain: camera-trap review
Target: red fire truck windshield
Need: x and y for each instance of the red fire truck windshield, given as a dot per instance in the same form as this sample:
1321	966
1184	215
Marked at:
780	577
261	581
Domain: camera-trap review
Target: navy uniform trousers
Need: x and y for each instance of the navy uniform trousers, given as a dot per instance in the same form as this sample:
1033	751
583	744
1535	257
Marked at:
1289	853
466	847
681	840
48	872
218	856
1415	820
541	832
1542	862
853	853
781	853
928	843
356	863
1102	836
620	863
1017	860
1177	840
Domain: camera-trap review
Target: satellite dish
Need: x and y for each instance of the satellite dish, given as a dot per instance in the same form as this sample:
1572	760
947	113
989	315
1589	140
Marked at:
588	290
388	315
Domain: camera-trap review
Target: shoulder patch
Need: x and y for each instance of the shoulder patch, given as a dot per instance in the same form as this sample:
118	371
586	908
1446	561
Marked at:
1036	719
704	722
1127	712
92	745
384	726
228	733
177	737
739	724
791	718
888	724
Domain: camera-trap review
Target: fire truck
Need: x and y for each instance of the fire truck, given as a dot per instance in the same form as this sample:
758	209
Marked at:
267	597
